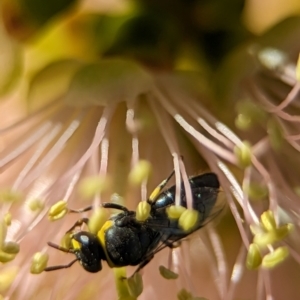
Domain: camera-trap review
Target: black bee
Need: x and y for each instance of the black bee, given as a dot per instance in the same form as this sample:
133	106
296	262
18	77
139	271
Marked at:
125	241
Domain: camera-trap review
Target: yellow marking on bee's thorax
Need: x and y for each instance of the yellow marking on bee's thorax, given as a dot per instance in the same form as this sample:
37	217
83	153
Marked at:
101	237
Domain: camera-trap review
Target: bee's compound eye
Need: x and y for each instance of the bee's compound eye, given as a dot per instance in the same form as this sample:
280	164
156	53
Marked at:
88	250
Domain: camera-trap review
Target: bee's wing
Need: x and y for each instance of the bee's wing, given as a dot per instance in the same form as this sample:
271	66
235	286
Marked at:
204	200
205	189
167	234
173	230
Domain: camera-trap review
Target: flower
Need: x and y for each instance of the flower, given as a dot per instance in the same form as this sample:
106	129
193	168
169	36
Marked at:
142	116
155	118
110	129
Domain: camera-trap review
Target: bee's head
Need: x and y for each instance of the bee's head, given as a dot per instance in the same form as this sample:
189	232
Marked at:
88	250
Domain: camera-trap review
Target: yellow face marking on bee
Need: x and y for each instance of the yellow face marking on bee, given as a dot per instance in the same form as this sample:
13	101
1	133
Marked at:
76	245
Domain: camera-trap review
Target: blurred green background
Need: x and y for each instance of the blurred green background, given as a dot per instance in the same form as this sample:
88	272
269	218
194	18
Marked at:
42	39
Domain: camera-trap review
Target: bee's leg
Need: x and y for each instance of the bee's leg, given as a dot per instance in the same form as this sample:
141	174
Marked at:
159	188
78	224
114	206
54	268
105	205
86	220
60	248
172	245
81	210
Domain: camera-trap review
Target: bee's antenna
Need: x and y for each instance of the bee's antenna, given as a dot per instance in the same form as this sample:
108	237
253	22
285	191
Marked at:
60	248
54	268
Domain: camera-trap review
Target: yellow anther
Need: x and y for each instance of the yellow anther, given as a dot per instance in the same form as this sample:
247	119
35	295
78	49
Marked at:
248	114
243	154
97	220
58	210
243	122
135	285
8	251
143	211
7	277
268	220
3	232
255	229
39	263
167	273
274	258
183	294
140	172
175	211
188	219
94	185
263	239
282	231
7	195
256	191
6	257
121	284
268	232
7	218
11	247
254	257
35	205
116	198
